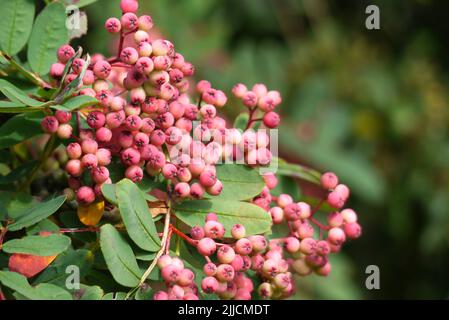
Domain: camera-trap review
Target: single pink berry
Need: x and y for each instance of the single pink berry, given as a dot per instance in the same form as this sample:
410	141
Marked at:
206	246
170	273
238	231
225	254
85	195
129	6
277	215
209	285
225	272
210	269
89	146
65	52
329	180
335	200
207	179
103	156
243	246
214	229
291	244
103	134
353	230
96	119
130	156
182	190
134	173
336	236
250	99
197	233
129	55
271	119
129	21
89	161
50	124
65	131
74	168
63	116
145	23
113	25
239	90
197	190
349	215
57	70
102	69
74	150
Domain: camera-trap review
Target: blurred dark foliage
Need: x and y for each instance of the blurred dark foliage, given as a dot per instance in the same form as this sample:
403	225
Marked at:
372	105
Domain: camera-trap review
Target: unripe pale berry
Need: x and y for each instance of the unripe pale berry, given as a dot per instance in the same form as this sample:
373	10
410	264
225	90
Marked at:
238	231
349	216
225	254
74	168
145	23
65	131
277	215
74	150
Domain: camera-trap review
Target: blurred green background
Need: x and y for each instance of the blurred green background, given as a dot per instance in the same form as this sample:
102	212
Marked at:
371	105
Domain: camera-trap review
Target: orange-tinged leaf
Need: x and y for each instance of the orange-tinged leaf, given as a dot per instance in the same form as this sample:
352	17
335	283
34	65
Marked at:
157	208
29	265
90	215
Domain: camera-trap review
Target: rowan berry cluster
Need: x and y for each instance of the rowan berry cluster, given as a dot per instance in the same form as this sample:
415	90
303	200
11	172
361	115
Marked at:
146	121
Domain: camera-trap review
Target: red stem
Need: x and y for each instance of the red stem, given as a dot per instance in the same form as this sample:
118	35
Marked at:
184	236
320	225
251	120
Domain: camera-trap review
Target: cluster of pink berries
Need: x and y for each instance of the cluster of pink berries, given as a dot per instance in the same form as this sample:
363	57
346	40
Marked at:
147	121
260	99
180	281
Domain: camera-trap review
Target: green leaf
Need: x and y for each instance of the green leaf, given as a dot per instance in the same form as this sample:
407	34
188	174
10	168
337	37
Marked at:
145	292
44	225
44	291
56	274
49	33
108	191
114	296
16	21
18	96
38	245
18	173
241	121
287	185
89	292
136	216
20	128
119	257
37	213
239	182
76	103
255	219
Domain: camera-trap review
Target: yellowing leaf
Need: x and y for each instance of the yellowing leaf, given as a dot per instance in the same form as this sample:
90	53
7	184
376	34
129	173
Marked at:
90	215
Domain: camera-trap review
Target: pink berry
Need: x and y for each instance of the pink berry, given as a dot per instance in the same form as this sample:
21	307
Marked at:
57	70
329	180
207	179
214	229
89	146
145	23
50	124
209	284
103	156
238	231
96	119
63	116
182	190
74	150
130	156
65	131
89	161
243	246
129	55
134	173
353	230
129	6
65	52
239	90
113	25
336	236
225	254
102	69
74	168
225	272
210	269
85	195
292	244
271	119
206	246
129	21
